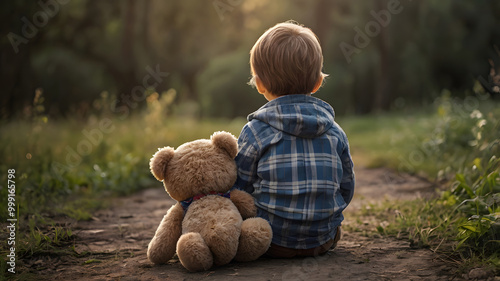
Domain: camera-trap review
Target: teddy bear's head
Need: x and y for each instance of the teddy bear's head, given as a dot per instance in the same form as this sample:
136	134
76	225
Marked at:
197	167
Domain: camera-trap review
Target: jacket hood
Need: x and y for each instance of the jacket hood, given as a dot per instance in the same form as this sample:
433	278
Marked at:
298	115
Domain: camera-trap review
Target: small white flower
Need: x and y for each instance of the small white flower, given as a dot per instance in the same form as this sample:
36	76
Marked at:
481	123
476	114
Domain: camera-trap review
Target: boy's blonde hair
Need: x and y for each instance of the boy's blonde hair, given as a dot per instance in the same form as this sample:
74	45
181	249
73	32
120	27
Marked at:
288	59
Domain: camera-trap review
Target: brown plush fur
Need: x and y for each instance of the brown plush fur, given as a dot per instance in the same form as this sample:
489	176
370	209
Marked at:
254	235
244	203
212	231
162	247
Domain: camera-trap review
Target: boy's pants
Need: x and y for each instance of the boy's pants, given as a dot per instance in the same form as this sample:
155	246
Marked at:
276	251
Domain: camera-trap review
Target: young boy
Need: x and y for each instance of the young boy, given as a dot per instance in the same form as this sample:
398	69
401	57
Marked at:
293	158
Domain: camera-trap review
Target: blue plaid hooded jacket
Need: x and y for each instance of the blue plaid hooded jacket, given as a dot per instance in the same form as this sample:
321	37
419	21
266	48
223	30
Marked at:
294	159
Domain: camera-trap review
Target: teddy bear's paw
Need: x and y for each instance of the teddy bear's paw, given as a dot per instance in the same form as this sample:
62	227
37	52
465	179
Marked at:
223	240
159	253
193	252
255	239
158	256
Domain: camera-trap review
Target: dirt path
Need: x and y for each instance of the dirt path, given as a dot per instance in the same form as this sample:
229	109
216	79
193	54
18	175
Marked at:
113	245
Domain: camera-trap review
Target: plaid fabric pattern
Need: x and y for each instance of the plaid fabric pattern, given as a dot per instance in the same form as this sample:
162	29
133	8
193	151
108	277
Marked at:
294	159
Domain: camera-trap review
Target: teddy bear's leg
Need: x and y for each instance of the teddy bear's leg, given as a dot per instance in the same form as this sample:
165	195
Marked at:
223	240
162	246
193	252
255	239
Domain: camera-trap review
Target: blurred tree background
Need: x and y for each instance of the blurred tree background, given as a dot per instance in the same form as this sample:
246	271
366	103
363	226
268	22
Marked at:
381	54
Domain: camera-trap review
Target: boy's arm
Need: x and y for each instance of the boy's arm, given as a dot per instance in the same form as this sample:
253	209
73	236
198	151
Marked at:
246	160
347	183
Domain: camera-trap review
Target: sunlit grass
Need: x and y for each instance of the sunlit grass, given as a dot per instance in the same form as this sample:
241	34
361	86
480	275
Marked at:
383	140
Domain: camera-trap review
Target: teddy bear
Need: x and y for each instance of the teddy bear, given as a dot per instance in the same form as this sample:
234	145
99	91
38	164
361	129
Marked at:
211	223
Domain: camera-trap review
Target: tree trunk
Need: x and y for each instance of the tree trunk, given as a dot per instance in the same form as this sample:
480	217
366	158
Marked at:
383	92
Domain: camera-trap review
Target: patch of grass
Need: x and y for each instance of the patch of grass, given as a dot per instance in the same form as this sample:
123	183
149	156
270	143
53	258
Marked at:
81	209
477	194
426	223
383	140
45	238
42	237
92	261
458	146
435	143
435	224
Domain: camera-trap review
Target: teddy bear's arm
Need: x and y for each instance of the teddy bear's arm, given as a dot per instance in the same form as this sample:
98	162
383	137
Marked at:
244	202
162	248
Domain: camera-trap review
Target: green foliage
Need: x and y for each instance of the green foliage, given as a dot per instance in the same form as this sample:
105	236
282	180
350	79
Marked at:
462	134
465	142
41	236
435	144
458	146
387	139
51	238
425	223
88	46
478	193
223	88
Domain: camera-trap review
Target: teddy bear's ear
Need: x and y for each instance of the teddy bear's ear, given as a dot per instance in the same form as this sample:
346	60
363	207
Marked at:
159	161
226	142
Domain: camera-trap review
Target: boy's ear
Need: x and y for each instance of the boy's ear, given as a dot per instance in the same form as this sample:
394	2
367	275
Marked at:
226	142
318	84
260	86
159	162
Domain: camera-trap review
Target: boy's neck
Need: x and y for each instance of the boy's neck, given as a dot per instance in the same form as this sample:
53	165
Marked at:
270	96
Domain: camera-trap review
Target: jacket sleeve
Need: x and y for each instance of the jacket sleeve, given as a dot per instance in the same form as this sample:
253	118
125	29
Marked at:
348	179
246	160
